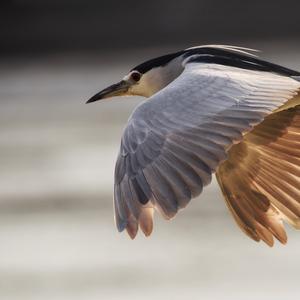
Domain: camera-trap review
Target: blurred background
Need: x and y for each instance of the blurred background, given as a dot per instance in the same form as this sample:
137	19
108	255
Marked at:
57	234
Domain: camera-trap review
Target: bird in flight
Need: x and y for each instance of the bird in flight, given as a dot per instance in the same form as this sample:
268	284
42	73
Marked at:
210	109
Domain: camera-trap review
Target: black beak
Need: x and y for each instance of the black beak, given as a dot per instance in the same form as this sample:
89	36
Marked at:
118	89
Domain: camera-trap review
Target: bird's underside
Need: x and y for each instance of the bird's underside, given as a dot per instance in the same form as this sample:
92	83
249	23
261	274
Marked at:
243	124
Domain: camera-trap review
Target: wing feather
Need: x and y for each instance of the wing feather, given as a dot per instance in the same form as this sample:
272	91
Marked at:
267	162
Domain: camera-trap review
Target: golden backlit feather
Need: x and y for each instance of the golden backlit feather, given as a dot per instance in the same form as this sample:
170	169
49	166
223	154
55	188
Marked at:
260	179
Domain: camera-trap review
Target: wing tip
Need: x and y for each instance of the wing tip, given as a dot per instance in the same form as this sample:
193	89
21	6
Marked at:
144	222
131	234
120	224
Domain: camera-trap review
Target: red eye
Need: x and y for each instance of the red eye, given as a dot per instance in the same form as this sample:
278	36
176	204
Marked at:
136	76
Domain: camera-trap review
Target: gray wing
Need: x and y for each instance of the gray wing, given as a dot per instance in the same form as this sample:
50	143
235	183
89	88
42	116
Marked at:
176	139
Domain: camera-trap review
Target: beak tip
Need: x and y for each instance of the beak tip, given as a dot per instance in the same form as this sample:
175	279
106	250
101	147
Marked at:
93	99
117	89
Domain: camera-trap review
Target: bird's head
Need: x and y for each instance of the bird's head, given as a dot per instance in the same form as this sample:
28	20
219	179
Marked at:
145	79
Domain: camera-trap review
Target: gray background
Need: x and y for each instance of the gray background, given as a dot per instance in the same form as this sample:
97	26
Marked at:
33	26
57	236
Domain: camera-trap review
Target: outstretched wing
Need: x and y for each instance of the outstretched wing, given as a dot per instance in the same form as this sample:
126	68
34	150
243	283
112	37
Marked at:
175	140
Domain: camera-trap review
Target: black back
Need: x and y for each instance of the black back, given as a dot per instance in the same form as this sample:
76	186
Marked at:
220	56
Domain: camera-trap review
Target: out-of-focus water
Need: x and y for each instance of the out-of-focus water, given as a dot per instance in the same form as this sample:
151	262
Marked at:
57	236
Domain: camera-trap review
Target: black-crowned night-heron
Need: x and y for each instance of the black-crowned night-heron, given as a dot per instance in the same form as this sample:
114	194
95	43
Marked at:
211	109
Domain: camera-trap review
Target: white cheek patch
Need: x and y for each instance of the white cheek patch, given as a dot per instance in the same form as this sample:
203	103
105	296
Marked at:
155	79
149	84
